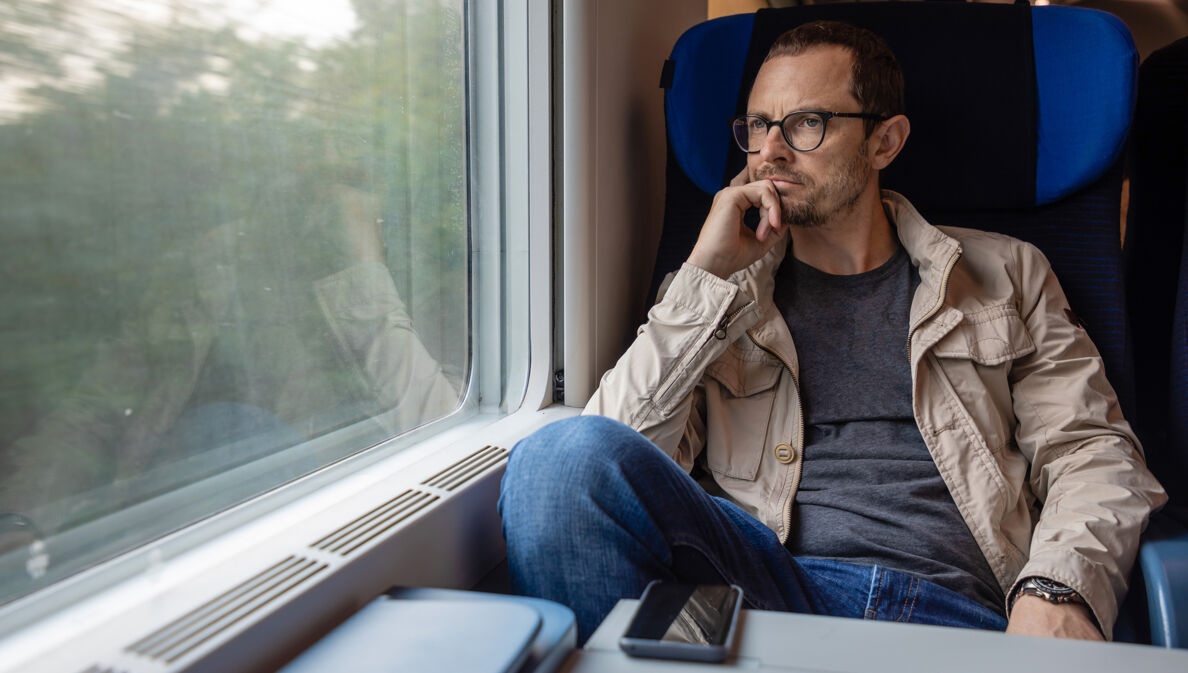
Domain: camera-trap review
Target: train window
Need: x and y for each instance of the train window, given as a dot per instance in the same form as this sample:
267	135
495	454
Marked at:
234	249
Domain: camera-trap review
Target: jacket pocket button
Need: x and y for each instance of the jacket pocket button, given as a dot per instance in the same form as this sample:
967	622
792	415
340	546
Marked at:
785	453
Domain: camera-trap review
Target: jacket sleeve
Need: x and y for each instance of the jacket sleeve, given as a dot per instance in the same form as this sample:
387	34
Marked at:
1087	467
404	383
656	385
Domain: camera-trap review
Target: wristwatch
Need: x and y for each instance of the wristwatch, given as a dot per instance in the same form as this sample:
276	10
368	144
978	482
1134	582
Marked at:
1049	590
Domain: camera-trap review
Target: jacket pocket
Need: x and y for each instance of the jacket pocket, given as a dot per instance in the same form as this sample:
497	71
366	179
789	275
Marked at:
988	337
974	361
740	400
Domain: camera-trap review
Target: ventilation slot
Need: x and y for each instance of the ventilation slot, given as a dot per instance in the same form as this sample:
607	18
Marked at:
468	468
375	523
183	635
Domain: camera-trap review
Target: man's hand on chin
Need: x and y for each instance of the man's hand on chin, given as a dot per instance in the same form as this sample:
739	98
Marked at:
1034	616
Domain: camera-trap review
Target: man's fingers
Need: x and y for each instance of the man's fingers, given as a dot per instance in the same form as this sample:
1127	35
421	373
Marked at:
761	194
767	235
725	244
764	229
764	196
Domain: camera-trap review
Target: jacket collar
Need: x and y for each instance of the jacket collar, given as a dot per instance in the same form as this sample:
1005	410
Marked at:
931	251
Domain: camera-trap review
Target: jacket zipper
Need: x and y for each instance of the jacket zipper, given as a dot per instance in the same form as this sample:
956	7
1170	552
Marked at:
799	446
720	332
940	300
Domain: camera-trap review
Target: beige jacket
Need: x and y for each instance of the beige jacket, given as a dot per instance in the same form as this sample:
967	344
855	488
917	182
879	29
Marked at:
1009	393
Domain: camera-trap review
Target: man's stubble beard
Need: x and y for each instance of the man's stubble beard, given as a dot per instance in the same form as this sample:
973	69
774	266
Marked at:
843	189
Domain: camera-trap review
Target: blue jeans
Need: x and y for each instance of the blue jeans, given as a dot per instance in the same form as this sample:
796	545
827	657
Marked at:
592	511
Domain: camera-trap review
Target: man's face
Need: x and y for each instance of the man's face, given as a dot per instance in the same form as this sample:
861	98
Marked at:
817	186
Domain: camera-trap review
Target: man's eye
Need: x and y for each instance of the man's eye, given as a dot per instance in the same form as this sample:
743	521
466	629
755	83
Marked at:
809	122
758	126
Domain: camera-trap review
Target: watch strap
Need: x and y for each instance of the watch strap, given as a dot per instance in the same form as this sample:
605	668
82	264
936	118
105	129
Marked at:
1049	590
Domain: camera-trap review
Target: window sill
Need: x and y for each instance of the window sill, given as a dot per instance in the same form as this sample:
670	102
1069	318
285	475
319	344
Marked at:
425	516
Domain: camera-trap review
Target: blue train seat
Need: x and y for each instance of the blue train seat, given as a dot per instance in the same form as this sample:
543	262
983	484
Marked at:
1020	117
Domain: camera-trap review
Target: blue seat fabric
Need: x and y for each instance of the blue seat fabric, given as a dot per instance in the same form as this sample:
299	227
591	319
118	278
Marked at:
1163	560
1080	58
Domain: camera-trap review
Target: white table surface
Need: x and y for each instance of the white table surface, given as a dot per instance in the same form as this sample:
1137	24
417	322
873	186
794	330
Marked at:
777	641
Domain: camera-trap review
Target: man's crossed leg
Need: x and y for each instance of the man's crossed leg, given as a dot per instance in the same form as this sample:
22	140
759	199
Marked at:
592	512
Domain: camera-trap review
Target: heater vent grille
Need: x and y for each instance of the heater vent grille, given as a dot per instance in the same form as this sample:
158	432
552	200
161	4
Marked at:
468	468
351	536
183	635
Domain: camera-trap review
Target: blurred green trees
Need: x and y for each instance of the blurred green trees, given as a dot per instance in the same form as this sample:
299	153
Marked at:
123	145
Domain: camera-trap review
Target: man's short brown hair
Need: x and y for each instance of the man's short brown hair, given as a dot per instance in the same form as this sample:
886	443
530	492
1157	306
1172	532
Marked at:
876	80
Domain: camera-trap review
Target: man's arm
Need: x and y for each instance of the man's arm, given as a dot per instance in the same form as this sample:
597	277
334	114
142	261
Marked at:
371	326
375	335
1034	616
655	387
1087	468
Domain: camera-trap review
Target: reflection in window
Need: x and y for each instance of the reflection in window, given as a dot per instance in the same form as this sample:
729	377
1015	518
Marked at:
232	250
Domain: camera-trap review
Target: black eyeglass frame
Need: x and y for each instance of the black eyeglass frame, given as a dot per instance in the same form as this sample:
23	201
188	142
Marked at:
825	117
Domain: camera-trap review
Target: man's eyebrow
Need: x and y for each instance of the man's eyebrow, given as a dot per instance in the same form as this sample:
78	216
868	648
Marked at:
762	112
802	108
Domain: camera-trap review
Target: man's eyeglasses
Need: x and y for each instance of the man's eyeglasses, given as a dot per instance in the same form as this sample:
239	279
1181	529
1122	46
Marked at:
804	130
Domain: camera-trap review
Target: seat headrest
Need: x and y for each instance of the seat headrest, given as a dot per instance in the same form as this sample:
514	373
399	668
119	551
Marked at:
1011	106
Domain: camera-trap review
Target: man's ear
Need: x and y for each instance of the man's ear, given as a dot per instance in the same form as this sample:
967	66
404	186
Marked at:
887	141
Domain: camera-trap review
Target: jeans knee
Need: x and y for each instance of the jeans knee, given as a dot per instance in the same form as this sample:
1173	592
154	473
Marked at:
568	460
575	446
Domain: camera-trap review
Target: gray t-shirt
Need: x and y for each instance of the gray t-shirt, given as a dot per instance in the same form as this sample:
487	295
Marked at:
870	492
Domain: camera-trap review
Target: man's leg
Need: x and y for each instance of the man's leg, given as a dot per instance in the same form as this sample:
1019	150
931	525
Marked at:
592	511
878	593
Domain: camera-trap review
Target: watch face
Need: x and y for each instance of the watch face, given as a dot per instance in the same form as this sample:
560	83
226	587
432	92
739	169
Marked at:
1051	587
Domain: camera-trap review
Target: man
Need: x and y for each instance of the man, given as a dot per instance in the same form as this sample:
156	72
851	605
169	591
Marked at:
891	420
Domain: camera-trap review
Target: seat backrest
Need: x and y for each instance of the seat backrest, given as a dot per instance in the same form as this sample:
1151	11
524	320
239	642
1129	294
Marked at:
1157	265
1019	117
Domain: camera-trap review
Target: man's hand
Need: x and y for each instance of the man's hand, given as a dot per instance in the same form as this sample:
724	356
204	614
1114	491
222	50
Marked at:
1034	616
726	244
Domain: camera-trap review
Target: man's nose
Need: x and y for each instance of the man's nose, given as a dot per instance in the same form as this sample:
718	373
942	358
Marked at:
775	146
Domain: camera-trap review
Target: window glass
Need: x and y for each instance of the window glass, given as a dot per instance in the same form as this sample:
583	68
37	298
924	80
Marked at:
233	249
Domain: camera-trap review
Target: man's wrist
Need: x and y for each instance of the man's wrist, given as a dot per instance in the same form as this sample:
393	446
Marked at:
1052	595
709	264
1047	589
1034	616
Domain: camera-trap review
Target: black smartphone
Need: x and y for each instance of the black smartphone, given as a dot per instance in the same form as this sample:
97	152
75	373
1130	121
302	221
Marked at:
693	622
